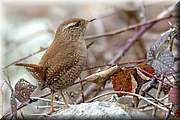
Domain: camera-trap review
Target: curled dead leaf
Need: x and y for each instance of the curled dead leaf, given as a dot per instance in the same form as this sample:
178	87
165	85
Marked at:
100	77
124	81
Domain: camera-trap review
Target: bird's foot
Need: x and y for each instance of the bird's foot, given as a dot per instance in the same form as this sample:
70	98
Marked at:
67	105
52	109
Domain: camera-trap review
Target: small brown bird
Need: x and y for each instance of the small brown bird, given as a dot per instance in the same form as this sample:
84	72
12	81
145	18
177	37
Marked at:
64	60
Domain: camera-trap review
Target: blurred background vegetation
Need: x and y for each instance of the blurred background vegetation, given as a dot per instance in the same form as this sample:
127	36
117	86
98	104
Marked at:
30	25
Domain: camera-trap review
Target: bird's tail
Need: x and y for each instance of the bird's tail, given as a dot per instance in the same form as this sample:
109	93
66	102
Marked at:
25	65
36	70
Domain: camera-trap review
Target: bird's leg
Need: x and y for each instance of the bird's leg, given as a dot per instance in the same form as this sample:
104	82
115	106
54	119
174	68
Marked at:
52	109
64	99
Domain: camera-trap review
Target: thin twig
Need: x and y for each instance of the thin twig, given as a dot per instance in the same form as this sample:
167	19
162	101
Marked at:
169	112
32	54
43	107
149	74
165	76
129	43
163	98
147	109
13	101
125	48
82	92
41	114
21	59
25	104
119	64
171	45
144	106
90	44
132	27
132	94
34	100
169	108
157	96
48	100
22	115
97	36
157	100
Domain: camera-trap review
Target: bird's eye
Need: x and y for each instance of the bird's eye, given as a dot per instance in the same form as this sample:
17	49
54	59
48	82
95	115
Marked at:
77	24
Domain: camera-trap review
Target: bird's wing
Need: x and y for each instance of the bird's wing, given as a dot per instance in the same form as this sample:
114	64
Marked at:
58	66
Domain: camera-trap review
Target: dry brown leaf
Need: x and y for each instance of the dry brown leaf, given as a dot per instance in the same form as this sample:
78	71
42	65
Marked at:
124	81
100	77
145	71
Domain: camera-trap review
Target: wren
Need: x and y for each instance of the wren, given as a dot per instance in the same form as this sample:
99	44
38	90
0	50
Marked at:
64	60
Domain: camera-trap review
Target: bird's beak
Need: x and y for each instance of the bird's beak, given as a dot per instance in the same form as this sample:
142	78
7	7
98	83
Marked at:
91	20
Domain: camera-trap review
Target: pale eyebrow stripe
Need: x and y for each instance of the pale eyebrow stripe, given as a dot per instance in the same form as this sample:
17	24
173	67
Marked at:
70	24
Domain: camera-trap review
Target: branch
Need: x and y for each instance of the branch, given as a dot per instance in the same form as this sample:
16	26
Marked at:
25	104
108	72
157	96
130	42
157	100
48	100
132	27
100	76
132	94
153	21
21	59
89	78
32	54
119	64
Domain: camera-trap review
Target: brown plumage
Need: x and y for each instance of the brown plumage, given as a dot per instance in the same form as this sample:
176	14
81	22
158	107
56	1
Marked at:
64	60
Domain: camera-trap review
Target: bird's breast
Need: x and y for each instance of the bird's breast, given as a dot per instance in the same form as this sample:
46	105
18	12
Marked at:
75	60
